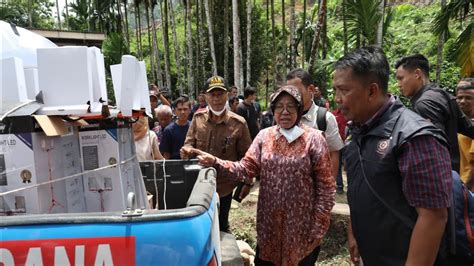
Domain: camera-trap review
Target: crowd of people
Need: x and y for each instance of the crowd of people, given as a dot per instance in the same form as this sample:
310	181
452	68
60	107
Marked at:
399	160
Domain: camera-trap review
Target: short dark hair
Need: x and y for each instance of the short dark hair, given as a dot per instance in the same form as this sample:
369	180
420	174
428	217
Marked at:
413	62
182	100
249	91
468	84
305	77
233	87
232	99
368	63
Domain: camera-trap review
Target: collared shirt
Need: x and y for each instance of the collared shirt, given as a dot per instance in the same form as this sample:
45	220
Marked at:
361	128
296	192
228	140
332	131
424	165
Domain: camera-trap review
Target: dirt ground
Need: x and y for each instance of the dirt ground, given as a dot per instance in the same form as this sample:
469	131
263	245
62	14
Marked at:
334	248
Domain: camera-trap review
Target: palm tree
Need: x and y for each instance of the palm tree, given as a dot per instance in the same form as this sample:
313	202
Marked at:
164	28
379	37
226	41
274	55
344	26
464	44
316	37
189	38
59	14
138	28
80	20
283	26
30	13
249	41
362	17
127	34
67	15
439	53
155	52
303	35
292	35
211	37
176	48
147	8
201	55
237	47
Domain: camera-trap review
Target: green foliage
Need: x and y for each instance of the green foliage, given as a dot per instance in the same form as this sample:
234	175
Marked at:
14	12
113	48
93	15
363	17
17	12
407	30
79	14
464	44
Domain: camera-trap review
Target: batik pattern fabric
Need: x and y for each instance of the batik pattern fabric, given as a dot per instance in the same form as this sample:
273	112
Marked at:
297	192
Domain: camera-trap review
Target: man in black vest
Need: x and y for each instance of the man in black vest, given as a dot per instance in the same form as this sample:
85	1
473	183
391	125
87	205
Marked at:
433	103
398	168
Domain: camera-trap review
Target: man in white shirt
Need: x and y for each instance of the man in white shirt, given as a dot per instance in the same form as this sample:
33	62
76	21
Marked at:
304	82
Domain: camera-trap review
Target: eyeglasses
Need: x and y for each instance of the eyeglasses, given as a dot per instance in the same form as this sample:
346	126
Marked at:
292	109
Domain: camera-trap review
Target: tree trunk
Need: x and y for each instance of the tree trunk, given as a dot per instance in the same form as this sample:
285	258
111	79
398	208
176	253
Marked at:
127	34
59	14
152	64
156	52
283	35
200	55
120	27
344	26
274	56
30	13
315	44
237	47
379	36
138	29
439	53
267	81
303	41
226	41
324	43
211	37
189	39
249	41
292	35
176	48
166	43
67	15
89	15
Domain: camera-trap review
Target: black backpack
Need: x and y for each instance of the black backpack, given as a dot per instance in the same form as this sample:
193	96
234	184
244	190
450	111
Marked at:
463	203
321	118
460	226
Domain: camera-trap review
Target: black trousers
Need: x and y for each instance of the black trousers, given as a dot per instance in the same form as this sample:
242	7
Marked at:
224	209
309	260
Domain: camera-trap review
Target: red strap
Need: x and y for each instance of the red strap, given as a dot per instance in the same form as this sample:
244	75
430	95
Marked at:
467	222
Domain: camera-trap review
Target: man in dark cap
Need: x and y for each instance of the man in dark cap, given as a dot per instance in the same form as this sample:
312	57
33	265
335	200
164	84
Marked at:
223	134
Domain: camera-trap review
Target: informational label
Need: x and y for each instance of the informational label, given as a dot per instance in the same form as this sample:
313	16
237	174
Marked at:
106	251
3	171
91	157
